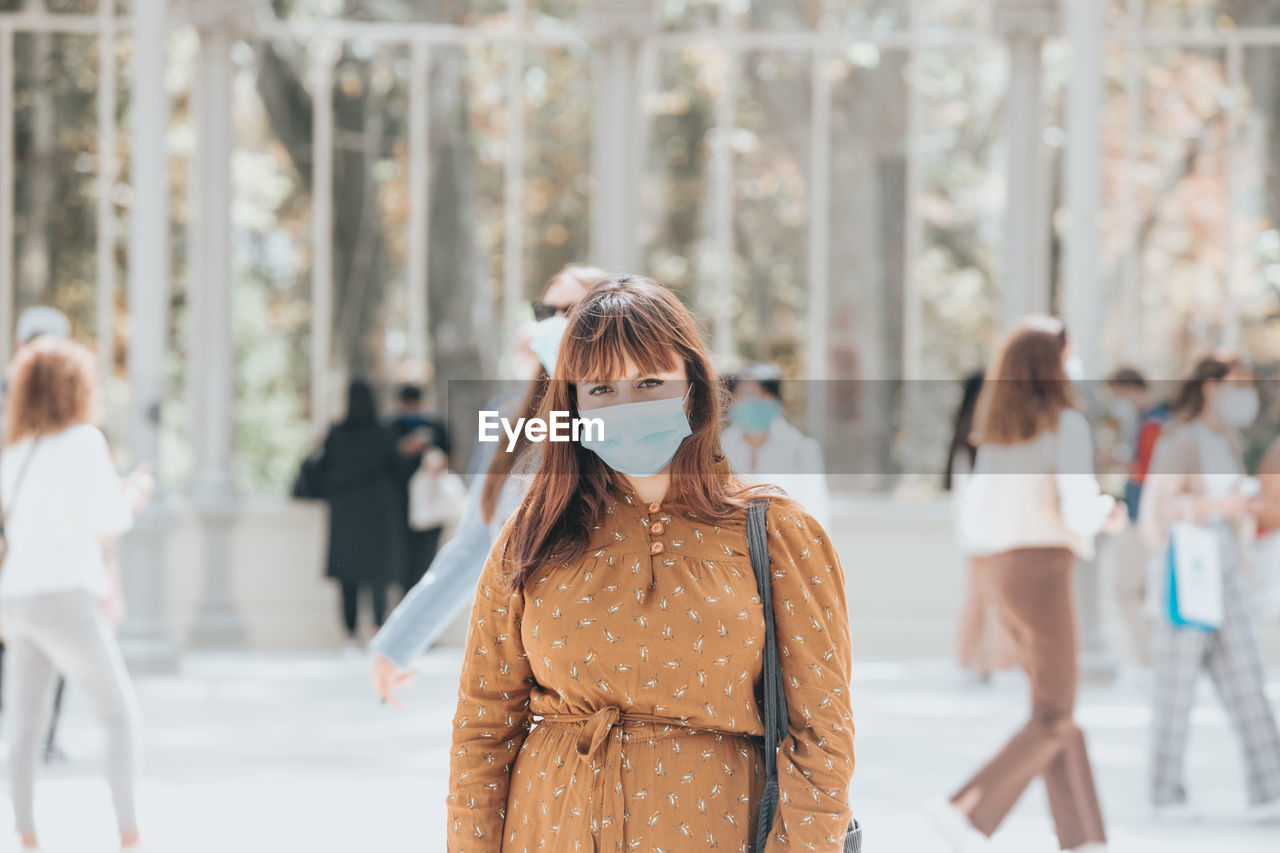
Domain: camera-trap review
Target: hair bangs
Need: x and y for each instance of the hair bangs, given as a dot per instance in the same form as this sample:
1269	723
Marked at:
600	343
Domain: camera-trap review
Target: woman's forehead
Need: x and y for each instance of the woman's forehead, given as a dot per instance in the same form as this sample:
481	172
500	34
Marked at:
626	369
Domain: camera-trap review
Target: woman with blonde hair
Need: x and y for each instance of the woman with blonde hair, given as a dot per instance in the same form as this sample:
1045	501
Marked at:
619	608
1031	507
62	501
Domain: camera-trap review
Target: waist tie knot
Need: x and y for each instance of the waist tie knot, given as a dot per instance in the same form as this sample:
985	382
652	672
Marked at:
596	731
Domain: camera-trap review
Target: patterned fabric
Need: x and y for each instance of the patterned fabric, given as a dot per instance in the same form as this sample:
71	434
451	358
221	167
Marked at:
641	663
1234	663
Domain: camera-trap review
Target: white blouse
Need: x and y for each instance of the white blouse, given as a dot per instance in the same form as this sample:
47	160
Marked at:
788	459
69	500
1037	493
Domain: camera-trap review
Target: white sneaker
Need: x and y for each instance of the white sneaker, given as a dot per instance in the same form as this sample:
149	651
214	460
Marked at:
1268	812
955	827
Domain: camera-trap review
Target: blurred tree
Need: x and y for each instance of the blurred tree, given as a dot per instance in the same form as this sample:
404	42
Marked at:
363	136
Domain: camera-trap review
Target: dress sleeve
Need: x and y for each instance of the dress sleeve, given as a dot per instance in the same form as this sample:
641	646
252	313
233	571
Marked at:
815	760
493	714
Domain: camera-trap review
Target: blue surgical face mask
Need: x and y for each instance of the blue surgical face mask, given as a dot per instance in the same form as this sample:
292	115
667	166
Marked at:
640	439
754	414
545	341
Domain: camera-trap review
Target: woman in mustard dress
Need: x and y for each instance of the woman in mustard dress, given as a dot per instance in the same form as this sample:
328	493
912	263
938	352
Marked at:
608	697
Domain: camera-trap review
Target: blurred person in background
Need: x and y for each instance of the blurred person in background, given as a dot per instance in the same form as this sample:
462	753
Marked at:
62	500
983	646
1141	418
762	447
1197	477
492	497
1266	551
415	432
1032	507
360	474
35	322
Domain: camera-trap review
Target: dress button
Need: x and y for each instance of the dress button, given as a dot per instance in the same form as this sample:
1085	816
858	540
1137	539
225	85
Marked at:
655	506
657	527
655	548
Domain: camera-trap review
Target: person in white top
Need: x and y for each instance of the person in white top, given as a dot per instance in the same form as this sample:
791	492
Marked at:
36	321
1031	507
762	447
62	500
1197	478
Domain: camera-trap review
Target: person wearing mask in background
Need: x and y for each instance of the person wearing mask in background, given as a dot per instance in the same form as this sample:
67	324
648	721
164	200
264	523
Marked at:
1140	418
983	645
62	500
495	491
646	526
360	474
1266	552
1197	478
415	432
1033	507
762	447
35	322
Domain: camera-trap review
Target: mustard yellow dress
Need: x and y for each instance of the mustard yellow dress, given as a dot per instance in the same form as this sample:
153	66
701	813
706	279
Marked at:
611	707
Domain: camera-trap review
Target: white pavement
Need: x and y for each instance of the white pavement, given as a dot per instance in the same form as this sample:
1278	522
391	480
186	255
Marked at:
262	753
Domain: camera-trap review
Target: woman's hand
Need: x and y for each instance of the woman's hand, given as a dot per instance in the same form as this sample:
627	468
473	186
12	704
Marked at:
1117	520
138	487
1233	507
386	677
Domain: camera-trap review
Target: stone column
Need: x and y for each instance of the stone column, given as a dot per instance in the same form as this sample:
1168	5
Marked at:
1082	280
145	635
617	30
1025	24
1081	301
212	490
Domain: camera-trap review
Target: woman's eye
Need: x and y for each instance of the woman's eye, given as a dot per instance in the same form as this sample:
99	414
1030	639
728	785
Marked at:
649	383
597	390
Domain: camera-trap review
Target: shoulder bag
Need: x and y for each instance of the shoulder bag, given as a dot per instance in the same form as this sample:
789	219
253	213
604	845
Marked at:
774	697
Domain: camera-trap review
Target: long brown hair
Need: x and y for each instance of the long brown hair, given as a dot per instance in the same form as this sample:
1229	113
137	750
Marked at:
626	318
53	384
1026	387
500	468
1214	367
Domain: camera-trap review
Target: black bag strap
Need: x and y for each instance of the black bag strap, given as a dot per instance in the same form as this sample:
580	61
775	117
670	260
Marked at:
17	485
773	697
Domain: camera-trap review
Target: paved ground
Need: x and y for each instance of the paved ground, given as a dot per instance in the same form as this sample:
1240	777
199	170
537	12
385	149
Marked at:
253	753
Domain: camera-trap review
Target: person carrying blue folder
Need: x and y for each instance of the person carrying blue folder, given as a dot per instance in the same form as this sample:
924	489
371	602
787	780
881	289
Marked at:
1195	503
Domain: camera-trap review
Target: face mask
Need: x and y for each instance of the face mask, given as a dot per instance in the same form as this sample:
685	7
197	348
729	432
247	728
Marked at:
1075	368
754	414
640	439
545	340
1238	406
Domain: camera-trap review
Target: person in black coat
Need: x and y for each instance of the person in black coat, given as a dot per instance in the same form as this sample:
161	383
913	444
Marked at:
415	431
359	474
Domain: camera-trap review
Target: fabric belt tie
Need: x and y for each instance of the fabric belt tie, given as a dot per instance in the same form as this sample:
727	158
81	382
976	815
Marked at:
598	725
594	742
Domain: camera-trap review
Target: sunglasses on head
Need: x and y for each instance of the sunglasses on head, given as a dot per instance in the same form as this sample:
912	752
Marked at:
544	310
